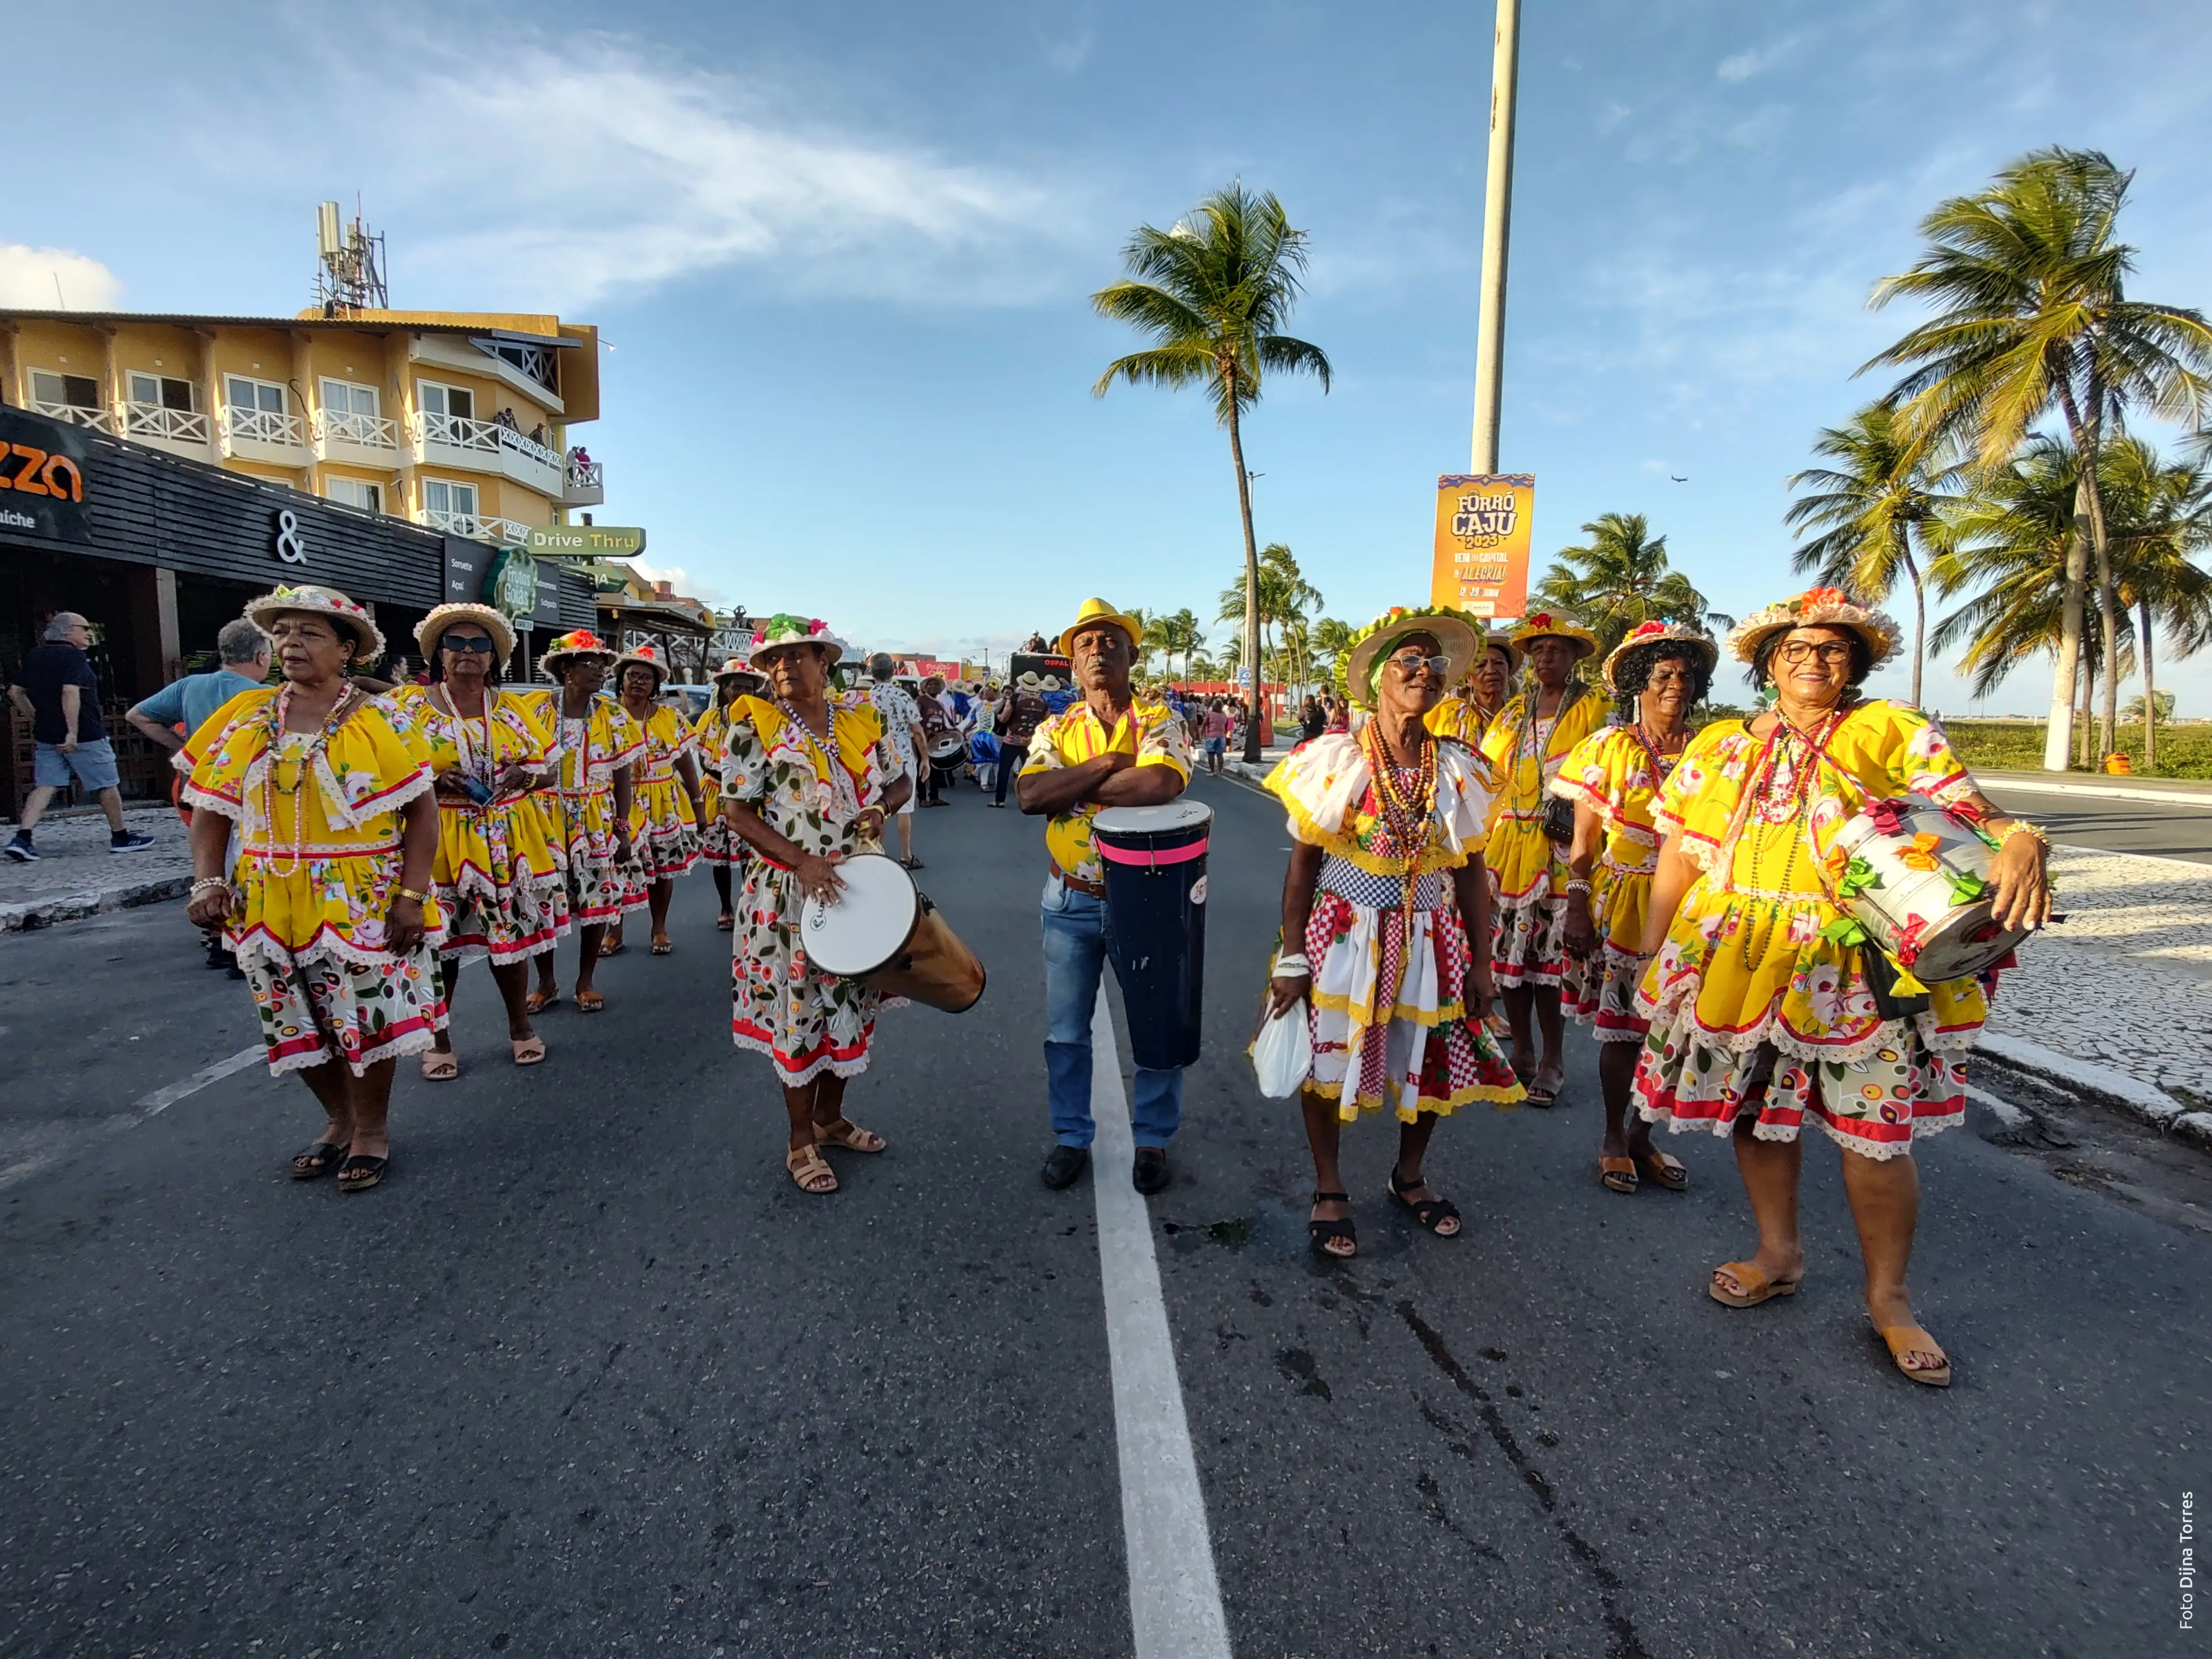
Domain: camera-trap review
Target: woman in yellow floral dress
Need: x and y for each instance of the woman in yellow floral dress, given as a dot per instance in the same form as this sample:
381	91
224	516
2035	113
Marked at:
498	877
1657	674
1525	745
1764	1005
1467	711
595	745
664	801
329	910
1385	927
808	779
723	851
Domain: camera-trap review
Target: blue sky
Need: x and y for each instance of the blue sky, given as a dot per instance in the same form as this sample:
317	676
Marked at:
842	251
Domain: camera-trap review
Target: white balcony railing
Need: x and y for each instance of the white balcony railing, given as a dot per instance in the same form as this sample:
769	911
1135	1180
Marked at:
477	527
529	448
158	423
583	483
361	431
458	432
264	426
98	419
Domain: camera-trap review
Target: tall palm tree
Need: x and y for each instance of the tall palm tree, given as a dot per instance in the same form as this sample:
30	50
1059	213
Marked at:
1873	511
2156	550
1619	579
1331	640
1284	595
2027	279
1213	293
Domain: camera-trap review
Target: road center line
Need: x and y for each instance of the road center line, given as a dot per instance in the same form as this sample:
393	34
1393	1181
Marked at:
1175	1601
162	1098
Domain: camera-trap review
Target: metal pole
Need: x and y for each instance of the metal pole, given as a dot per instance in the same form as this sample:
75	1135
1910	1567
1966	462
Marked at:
1497	230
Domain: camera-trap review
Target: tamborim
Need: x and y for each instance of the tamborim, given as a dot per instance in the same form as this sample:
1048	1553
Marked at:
1916	879
884	931
1154	863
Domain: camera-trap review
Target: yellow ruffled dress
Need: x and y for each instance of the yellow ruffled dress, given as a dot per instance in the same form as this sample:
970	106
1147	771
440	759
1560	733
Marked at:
711	733
1753	960
1388	1014
664	833
1617	777
1527	870
319	818
586	752
498	876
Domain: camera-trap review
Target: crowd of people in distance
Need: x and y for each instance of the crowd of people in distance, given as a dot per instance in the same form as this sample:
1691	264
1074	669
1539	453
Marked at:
1494	831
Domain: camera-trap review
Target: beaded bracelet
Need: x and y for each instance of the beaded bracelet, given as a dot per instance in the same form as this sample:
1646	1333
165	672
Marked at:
2022	827
1291	965
208	884
1579	886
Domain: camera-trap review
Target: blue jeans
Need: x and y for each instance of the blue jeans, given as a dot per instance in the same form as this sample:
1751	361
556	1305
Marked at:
1074	953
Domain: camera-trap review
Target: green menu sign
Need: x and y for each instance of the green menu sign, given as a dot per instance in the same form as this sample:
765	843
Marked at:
587	541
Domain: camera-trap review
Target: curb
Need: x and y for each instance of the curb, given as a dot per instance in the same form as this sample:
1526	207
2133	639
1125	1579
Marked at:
35	913
2101	1083
2190	794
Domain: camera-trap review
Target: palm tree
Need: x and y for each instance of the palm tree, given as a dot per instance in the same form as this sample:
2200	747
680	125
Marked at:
1619	580
1331	640
1285	596
2155	548
1872	509
2028	283
1213	292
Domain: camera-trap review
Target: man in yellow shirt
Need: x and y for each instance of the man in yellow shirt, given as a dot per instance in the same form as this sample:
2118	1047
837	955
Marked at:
1108	749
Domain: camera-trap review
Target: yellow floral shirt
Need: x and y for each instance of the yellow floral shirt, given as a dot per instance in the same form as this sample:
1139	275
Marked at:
1150	731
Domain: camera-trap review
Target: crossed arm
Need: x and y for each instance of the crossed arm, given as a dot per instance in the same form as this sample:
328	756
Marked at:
1109	780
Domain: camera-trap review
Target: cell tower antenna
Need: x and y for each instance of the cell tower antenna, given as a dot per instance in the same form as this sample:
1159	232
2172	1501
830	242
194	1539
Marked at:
348	263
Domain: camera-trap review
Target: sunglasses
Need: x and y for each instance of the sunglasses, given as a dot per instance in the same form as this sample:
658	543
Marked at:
1410	663
479	643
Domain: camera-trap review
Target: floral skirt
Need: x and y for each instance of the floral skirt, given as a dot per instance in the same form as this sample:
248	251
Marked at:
599	882
1527	932
1387	1017
324	1006
663	834
719	845
1600	990
500	884
806	1022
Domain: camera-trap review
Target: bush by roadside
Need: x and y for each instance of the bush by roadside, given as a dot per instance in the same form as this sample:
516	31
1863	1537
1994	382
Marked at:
2184	751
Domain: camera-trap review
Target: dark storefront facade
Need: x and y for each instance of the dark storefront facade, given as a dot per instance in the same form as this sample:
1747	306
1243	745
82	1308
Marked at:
159	552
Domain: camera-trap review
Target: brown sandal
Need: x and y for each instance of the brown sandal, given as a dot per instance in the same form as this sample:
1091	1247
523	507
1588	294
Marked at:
590	1002
661	946
539	1001
1618	1175
1756	1287
1666	1171
1910	1339
725	922
849	1135
808	1169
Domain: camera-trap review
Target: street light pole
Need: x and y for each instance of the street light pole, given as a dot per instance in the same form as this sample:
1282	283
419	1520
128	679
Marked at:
1497	230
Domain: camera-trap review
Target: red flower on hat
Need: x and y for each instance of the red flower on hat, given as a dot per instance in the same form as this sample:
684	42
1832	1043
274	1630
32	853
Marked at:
1538	619
1645	629
1813	596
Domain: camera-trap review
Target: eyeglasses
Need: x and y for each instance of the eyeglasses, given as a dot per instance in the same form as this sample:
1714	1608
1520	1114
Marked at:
1797	651
463	642
1410	663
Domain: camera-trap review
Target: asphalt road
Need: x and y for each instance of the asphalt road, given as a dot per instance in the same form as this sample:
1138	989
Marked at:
587	1375
2179	831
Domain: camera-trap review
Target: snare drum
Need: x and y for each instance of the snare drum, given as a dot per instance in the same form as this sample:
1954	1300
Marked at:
884	931
1913	877
1154	863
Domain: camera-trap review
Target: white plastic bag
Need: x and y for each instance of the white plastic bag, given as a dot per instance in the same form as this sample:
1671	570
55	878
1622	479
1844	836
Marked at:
1282	1054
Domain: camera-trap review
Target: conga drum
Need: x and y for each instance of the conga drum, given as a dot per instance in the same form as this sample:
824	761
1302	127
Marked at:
884	931
1155	864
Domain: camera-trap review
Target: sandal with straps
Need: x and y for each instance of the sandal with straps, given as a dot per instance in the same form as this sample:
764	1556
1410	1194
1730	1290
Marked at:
1431	1213
850	1135
1322	1234
319	1159
808	1168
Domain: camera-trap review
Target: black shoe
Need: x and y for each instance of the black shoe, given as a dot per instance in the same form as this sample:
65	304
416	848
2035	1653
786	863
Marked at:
20	850
219	957
1150	1174
129	842
1063	1166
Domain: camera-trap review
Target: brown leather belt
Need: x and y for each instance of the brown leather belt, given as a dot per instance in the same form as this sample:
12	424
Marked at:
1096	889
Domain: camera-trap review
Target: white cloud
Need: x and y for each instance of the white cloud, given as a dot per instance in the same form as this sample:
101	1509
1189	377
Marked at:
54	279
1757	60
628	172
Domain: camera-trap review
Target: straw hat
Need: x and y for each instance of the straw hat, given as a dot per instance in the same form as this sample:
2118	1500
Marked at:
1655	633
1027	680
1826	607
1550	625
738	668
432	627
649	657
1355	665
581	643
368	639
785	629
1098	610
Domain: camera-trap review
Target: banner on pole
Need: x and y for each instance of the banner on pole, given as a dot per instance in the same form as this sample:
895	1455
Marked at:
1484	524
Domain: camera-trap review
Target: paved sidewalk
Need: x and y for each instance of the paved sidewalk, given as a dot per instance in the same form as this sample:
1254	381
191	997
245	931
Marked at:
76	875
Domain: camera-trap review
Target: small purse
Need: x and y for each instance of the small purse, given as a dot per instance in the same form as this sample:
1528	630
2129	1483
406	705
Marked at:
1559	819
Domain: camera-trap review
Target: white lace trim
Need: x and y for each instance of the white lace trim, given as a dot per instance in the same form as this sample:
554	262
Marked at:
412	1042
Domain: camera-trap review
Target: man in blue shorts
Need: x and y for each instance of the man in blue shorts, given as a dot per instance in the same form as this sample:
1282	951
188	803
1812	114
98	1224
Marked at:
58	690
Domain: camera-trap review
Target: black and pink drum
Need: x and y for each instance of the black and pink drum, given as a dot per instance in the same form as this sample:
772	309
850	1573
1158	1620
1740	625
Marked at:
1154	863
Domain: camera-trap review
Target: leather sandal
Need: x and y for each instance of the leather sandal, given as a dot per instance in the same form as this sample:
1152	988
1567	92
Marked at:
849	1135
1431	1213
318	1160
539	1001
725	922
1322	1234
360	1172
1617	1175
590	1002
808	1168
1756	1286
661	945
441	1067
1910	1339
1666	1171
528	1051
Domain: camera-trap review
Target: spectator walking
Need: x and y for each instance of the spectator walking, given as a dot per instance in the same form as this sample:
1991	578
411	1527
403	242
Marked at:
1217	727
903	731
59	693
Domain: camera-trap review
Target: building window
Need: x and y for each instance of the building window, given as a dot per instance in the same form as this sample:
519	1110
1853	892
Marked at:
64	391
458	403
263	396
356	492
452	500
540	363
344	398
163	391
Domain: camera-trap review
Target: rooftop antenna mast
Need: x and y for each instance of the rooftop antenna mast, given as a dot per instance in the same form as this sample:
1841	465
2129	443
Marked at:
349	264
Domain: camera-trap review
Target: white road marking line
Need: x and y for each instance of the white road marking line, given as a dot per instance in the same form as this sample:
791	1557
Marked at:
1175	1600
2004	1111
161	1099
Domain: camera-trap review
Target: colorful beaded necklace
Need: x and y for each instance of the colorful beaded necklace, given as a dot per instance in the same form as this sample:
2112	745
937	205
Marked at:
279	708
1405	817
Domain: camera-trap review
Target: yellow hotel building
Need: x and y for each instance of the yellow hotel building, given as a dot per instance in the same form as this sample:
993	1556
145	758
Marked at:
458	420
